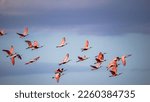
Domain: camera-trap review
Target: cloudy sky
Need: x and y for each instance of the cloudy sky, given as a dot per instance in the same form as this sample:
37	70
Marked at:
113	26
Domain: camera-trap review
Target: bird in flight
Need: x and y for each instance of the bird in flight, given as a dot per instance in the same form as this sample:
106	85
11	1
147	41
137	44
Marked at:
24	34
62	43
9	52
57	76
113	67
65	60
33	60
123	59
100	57
33	46
86	46
113	62
82	58
2	32
13	58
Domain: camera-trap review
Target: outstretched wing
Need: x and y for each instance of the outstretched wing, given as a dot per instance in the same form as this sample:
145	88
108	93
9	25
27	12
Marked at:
13	60
123	59
35	59
29	43
63	41
80	58
19	56
86	44
7	51
66	57
25	31
98	64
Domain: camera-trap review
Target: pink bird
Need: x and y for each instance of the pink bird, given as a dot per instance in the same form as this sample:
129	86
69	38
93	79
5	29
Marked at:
2	32
123	59
86	46
65	60
97	66
57	76
62	43
34	46
13	58
82	58
113	70
100	57
33	60
113	62
24	34
9	52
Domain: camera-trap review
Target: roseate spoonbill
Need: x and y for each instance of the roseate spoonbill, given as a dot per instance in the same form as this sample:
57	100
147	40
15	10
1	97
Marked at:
82	58
113	70
65	60
97	66
33	60
13	58
9	52
113	62
62	43
24	34
86	46
123	59
34	46
100	57
57	76
2	32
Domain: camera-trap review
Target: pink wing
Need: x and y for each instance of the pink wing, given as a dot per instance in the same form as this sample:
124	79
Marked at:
66	57
13	60
25	31
35	43
63	41
29	43
114	71
11	49
57	77
123	60
98	65
100	56
86	44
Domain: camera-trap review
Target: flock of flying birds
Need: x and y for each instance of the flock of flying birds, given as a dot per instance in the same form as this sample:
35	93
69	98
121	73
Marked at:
99	59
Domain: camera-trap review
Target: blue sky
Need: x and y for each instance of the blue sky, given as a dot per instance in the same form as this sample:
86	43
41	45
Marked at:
112	26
